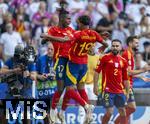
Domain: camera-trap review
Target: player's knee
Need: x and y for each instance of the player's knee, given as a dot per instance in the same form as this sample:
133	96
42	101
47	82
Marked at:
132	109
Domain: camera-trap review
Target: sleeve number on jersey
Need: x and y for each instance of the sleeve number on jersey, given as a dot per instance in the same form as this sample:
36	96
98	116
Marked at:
85	48
115	72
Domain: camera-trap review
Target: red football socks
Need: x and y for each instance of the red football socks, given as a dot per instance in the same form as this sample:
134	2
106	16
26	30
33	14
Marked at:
72	94
83	94
129	111
106	119
66	100
55	99
123	120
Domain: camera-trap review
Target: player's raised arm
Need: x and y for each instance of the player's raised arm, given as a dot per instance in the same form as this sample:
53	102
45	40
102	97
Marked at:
46	36
102	39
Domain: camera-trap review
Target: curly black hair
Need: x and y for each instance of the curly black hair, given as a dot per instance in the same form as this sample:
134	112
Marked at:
85	20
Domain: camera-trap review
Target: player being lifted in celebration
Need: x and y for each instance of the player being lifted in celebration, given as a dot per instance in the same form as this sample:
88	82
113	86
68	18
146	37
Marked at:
128	54
114	79
62	50
76	68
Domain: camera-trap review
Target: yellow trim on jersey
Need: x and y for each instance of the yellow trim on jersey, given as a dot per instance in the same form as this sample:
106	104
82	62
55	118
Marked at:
129	55
56	63
70	76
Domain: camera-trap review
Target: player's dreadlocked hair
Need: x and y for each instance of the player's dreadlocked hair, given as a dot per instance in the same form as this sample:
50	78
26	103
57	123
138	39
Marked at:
85	20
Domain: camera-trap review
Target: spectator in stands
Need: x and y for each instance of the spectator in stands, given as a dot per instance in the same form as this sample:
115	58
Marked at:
139	62
146	53
7	18
41	12
3	10
54	20
37	17
43	28
76	6
17	3
133	11
9	40
26	38
143	31
21	11
32	8
101	10
115	6
20	25
105	24
121	32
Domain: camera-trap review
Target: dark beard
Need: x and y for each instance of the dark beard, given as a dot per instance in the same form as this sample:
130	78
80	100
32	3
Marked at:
115	52
135	50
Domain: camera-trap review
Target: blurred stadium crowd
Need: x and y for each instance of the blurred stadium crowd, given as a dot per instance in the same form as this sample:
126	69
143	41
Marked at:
29	18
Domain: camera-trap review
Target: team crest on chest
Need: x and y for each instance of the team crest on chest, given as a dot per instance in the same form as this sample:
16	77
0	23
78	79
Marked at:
110	61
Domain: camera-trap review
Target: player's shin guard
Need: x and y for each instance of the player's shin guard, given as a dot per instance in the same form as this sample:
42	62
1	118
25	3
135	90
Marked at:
83	94
55	99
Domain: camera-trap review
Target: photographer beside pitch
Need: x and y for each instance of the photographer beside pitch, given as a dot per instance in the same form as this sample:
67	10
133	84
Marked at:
24	72
46	76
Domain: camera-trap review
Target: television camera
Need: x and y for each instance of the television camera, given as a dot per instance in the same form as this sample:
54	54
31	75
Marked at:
22	58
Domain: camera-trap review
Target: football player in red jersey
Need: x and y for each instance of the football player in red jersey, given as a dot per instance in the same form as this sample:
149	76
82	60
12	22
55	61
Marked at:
76	69
114	78
61	55
128	54
77	66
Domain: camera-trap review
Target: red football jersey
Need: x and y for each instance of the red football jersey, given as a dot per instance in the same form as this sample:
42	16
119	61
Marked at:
61	49
128	55
84	40
114	72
